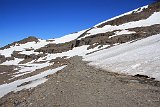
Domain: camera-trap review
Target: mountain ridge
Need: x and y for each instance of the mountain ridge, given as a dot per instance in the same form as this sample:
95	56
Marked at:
142	10
126	45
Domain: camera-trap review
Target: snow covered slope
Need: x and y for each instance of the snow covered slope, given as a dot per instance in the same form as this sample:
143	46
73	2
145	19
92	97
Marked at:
22	47
141	57
152	20
128	44
69	37
136	10
35	80
36	45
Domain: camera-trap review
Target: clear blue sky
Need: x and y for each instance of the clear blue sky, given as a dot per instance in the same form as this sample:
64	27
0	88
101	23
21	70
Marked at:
54	18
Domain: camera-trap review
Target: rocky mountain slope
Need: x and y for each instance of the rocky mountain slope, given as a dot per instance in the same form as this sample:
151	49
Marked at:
127	44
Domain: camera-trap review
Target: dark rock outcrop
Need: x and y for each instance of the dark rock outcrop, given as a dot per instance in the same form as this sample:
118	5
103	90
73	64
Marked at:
2	58
16	54
102	39
134	16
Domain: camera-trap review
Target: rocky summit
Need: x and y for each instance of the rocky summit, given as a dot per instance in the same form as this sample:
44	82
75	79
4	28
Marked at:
116	63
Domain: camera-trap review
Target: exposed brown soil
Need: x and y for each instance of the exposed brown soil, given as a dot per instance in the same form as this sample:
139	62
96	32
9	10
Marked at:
79	85
6	73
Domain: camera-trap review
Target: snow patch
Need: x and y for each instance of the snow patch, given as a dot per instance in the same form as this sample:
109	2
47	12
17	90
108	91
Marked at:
122	32
152	20
68	38
35	80
80	51
22	47
30	52
2	73
29	67
12	62
32	84
127	13
140	57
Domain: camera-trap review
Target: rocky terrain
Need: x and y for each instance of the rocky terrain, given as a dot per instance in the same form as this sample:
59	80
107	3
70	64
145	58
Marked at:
115	63
79	85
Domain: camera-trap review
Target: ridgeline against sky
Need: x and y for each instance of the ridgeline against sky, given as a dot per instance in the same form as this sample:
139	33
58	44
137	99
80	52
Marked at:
54	18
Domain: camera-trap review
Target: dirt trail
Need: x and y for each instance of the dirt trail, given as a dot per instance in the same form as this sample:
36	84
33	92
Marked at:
79	85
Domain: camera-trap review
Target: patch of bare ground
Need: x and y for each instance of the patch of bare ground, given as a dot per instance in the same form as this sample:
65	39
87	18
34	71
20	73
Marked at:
80	85
53	64
6	72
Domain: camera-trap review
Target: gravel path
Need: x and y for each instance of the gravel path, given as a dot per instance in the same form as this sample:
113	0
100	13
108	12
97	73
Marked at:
79	85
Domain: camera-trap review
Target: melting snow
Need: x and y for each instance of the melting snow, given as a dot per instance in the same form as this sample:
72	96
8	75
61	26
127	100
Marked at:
152	20
12	62
68	38
140	57
140	9
136	10
30	52
22	47
30	67
35	80
122	32
80	51
37	45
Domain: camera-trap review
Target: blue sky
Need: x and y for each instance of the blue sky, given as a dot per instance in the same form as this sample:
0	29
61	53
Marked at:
54	18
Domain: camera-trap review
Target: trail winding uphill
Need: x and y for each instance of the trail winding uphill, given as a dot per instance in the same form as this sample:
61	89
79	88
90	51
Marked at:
79	85
122	68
